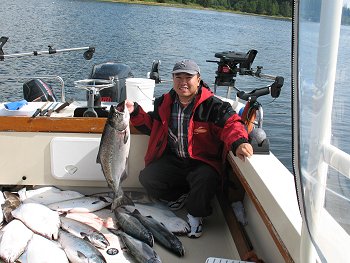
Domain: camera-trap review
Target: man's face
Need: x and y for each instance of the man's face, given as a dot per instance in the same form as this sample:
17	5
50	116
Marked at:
186	85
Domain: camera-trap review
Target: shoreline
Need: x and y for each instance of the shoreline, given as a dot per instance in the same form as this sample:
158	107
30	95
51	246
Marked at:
192	6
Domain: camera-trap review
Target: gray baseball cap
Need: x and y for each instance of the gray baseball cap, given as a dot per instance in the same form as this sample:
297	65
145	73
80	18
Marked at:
186	66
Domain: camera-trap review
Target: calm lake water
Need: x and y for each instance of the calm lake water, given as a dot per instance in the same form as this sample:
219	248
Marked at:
138	34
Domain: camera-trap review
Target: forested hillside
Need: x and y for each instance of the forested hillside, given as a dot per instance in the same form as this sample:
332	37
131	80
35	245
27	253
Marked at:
282	8
262	7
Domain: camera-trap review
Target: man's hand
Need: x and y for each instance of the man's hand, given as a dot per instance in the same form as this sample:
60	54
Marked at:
244	150
129	105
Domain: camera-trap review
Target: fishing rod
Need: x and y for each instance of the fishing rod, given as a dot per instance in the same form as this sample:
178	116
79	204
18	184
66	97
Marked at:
89	51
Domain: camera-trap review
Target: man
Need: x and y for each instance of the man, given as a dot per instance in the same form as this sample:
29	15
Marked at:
190	132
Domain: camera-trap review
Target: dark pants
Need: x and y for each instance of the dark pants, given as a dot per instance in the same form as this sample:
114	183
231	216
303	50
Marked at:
170	177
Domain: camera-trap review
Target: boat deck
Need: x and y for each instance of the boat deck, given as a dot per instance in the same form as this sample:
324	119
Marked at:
39	135
216	241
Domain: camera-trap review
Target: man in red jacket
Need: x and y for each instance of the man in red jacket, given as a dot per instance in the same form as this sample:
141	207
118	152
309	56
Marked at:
191	132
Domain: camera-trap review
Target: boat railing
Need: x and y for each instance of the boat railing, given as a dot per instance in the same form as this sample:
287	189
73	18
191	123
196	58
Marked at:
337	159
46	77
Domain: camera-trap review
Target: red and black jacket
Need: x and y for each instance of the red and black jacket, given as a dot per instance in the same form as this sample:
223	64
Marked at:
214	128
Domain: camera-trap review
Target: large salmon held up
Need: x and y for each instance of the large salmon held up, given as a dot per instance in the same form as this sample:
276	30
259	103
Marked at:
114	151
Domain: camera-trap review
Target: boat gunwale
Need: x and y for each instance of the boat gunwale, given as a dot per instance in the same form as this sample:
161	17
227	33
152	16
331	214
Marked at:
54	124
261	211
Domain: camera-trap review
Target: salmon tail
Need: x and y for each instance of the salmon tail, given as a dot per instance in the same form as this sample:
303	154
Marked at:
121	200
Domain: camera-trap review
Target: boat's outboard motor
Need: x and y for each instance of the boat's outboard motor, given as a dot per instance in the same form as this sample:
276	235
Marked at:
154	74
38	90
116	71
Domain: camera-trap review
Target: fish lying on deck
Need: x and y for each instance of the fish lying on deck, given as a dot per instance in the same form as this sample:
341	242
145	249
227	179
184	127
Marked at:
162	214
138	249
2	201
84	231
43	250
47	195
101	218
114	151
132	226
161	234
14	238
39	218
78	250
11	202
82	204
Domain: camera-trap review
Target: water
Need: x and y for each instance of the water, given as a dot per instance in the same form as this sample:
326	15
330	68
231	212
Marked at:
138	34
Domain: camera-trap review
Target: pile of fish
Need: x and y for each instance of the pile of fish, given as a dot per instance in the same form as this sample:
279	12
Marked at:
52	225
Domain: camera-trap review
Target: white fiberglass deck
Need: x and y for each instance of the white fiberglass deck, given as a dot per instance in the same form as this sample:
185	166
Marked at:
216	241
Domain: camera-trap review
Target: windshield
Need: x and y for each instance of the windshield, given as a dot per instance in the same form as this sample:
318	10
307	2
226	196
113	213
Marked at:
321	51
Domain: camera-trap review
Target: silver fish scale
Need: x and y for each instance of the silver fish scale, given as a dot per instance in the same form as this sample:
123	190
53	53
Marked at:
114	150
14	238
79	250
83	230
141	251
132	226
161	233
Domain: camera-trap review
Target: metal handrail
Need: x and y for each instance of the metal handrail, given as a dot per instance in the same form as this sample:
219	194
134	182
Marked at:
60	80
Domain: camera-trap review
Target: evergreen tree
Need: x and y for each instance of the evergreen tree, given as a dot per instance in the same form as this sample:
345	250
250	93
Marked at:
282	8
260	8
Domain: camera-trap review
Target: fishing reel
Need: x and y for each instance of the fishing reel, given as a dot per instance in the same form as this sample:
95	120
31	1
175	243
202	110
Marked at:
3	41
154	73
232	63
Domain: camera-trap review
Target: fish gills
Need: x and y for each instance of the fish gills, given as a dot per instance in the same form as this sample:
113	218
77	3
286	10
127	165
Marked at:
114	151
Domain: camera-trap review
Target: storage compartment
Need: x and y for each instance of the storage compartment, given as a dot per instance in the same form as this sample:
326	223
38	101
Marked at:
75	159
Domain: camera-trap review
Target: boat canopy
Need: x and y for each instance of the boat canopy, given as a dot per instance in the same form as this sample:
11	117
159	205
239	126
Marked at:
321	124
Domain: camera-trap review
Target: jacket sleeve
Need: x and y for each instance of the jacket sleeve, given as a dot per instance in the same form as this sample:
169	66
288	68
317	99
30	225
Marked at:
234	133
227	124
141	120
